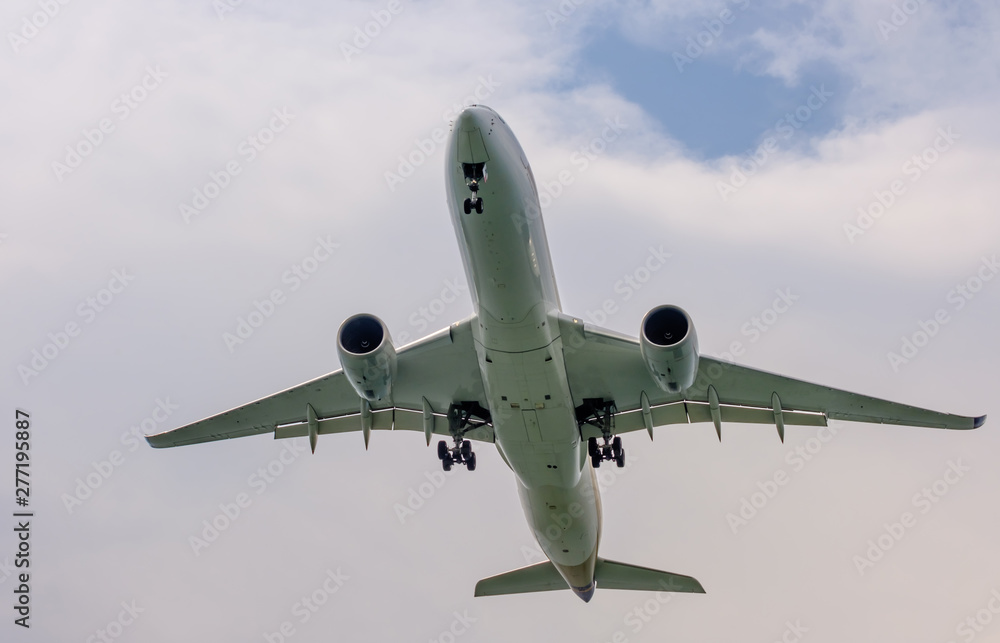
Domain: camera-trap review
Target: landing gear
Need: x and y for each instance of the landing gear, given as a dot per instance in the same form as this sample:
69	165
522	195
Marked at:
462	417
473	204
601	414
474	173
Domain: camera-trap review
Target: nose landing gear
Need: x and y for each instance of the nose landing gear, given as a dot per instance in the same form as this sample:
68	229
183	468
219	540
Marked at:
475	203
474	173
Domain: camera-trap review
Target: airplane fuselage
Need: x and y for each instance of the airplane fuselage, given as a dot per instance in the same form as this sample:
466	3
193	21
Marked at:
510	276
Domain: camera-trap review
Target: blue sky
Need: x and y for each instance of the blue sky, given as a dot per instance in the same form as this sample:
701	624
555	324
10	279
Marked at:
711	105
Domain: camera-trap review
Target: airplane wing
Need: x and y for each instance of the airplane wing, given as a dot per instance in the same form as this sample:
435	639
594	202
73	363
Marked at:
604	364
431	374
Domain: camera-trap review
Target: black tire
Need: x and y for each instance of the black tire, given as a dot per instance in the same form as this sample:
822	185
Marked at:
620	459
471	462
596	461
616	446
479	206
442	450
592	447
446	463
468	206
466	449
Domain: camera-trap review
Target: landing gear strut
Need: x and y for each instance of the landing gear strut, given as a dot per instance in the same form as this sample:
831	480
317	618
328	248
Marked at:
474	173
462	417
601	414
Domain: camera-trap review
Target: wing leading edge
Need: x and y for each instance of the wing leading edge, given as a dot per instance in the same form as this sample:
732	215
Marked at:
432	373
604	364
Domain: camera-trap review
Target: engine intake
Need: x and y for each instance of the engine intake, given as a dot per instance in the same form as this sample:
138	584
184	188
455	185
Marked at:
669	346
367	356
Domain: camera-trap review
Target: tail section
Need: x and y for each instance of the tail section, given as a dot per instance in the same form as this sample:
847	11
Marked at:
608	574
542	577
614	575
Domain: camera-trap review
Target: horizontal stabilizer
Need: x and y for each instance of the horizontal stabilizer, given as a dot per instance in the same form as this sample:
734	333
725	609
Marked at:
542	577
615	575
609	574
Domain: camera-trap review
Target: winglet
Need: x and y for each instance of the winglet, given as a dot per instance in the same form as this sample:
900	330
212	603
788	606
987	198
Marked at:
979	421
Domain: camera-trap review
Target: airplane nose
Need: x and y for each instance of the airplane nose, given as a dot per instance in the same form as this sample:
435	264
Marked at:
468	133
465	121
472	118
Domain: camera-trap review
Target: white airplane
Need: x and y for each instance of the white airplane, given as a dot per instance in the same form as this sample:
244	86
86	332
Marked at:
552	393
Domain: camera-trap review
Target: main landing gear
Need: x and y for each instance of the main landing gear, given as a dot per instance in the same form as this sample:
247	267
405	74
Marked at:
462	417
601	414
474	173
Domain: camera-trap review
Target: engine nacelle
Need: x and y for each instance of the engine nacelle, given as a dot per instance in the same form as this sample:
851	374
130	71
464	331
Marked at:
669	347
367	356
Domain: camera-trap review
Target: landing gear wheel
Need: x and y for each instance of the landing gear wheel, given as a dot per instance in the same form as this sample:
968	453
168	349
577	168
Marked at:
616	446
467	206
592	447
596	460
470	462
620	459
466	450
479	206
442	450
447	462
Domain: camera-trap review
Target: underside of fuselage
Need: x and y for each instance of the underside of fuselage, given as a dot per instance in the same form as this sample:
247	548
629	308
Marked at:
495	211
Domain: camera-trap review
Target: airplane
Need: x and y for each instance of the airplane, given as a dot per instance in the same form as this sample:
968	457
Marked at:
552	393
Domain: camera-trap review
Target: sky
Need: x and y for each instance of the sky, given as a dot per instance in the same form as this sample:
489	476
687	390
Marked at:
820	176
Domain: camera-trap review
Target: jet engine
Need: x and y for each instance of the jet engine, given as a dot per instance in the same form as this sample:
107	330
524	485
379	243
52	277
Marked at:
367	356
669	347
